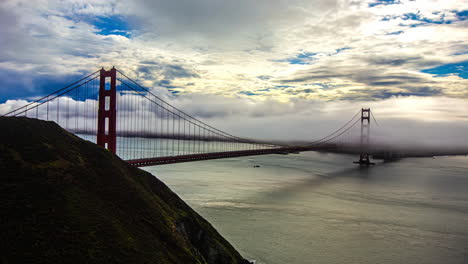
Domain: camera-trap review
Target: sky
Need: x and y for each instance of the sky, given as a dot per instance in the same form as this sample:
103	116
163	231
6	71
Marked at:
281	69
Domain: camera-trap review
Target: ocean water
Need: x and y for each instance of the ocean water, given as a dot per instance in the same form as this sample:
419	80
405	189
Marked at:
322	208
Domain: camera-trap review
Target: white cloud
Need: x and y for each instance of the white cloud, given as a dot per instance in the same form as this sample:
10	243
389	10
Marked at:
429	121
215	53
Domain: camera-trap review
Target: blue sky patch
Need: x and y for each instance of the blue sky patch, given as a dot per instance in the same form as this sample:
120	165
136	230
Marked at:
13	85
396	32
460	69
264	90
305	58
166	83
301	58
305	55
462	15
342	49
383	2
276	87
418	17
249	93
173	92
111	25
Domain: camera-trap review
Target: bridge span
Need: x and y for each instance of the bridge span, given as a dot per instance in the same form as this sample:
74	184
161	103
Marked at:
122	116
221	155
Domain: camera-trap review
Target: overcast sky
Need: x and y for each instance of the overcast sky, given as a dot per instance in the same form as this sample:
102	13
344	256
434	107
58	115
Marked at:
290	69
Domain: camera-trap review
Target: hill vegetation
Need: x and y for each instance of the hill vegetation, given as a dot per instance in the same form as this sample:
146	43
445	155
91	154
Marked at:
66	200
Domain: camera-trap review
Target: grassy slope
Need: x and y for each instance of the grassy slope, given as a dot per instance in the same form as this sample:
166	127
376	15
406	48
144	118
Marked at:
65	200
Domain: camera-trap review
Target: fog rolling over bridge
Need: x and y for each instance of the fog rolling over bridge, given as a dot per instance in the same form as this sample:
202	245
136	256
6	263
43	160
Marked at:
127	113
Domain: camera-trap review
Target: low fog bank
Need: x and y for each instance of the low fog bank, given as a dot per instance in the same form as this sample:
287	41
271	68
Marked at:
396	151
410	124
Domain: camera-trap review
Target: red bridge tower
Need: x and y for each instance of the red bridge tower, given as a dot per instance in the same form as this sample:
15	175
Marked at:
365	136
106	134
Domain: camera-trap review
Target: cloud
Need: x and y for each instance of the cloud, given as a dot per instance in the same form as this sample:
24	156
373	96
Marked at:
164	71
221	41
265	62
212	21
406	120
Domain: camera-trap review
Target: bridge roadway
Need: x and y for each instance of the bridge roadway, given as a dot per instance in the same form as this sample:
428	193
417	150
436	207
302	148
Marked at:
219	155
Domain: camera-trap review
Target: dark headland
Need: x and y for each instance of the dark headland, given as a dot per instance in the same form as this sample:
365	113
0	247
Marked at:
66	200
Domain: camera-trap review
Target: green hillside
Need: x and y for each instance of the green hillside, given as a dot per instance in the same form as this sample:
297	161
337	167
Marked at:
66	200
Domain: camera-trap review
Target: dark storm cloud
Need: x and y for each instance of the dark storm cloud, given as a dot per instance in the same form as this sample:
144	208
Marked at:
381	82
385	83
400	60
424	91
391	61
399	77
296	91
315	75
376	78
148	62
365	94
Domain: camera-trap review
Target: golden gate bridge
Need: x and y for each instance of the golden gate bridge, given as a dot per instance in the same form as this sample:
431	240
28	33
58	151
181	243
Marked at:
116	112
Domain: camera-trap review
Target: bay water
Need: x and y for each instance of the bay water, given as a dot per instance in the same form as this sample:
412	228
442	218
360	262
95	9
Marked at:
321	208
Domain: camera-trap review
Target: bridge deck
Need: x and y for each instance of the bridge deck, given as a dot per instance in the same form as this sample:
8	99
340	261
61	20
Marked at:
215	155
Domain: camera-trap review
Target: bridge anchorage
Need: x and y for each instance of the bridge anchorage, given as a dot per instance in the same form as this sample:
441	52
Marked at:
364	157
144	129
